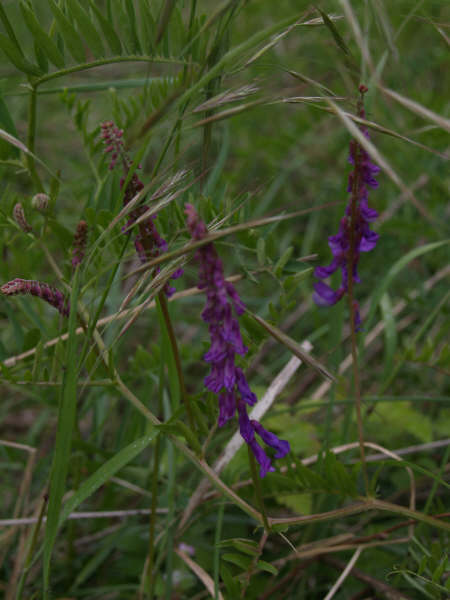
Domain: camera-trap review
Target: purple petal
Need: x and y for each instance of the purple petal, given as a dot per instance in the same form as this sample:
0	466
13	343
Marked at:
246	394
239	306
324	272
324	295
281	446
262	458
368	241
245	427
227	407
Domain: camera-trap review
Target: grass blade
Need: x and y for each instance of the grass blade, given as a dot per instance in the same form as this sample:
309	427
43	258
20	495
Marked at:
293	346
66	423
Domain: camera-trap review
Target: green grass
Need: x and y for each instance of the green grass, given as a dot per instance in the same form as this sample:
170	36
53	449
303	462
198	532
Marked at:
107	411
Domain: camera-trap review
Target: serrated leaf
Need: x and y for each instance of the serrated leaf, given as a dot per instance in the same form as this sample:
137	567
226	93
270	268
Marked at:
293	346
17	58
86	28
265	566
69	33
108	30
46	44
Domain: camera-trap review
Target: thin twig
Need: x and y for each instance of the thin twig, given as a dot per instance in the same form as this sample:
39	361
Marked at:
343	576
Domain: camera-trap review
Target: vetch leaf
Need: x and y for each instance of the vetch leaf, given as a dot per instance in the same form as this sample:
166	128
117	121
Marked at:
17	58
237	559
41	57
134	38
9	29
108	30
265	566
46	44
86	27
69	33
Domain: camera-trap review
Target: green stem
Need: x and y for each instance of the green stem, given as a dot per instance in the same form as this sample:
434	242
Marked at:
176	356
107	61
201	464
217	539
152	523
258	491
31	138
32	546
353	509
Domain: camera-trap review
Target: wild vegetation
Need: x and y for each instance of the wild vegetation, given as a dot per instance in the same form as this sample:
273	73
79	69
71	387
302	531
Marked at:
224	299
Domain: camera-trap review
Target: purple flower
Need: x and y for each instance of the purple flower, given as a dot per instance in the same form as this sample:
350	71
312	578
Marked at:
50	294
148	243
225	379
354	235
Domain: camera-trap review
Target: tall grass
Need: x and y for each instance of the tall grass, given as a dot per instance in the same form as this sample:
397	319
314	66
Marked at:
117	481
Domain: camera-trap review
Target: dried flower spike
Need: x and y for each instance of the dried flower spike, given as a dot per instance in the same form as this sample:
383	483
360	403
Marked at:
40	202
20	219
226	379
79	243
50	294
355	235
148	243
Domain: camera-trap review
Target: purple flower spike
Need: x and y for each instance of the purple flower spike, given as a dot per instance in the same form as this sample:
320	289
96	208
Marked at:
223	306
50	294
355	235
148	243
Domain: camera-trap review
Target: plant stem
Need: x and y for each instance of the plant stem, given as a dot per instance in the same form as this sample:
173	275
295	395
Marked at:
108	61
176	356
31	548
352	258
31	138
152	524
258	491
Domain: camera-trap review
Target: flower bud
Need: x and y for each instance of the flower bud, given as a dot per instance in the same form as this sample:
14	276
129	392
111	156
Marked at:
79	243
40	202
20	219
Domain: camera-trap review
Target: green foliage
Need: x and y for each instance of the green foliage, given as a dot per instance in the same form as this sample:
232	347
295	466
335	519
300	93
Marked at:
225	106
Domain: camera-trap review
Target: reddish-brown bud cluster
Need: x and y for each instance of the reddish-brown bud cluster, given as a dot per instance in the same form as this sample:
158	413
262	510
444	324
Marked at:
39	289
20	219
79	243
112	138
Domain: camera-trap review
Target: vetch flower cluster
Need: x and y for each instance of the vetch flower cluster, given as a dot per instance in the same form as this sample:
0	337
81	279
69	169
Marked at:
226	379
355	235
20	218
148	242
79	243
40	289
